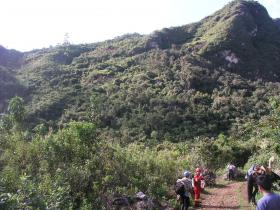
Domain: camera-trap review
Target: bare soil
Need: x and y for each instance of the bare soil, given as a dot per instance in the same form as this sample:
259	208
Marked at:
226	195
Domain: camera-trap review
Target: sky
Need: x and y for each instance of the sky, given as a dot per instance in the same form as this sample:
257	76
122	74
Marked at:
33	24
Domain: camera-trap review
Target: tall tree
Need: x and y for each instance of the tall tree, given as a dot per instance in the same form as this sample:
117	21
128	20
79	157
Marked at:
16	110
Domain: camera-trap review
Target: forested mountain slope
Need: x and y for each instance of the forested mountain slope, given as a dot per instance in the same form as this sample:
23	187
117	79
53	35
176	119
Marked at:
107	120
198	79
9	85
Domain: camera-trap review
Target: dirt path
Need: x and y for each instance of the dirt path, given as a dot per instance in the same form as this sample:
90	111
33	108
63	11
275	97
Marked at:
229	195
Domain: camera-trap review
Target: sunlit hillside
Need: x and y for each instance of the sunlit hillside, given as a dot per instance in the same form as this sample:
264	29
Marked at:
97	120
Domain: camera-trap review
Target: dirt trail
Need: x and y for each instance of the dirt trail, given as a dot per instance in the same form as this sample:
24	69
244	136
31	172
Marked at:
229	195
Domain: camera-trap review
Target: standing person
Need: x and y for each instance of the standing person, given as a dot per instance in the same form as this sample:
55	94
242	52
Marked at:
196	181
183	188
252	187
270	200
231	171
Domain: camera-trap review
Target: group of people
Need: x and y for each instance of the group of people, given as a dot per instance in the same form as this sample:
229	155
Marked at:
190	186
260	178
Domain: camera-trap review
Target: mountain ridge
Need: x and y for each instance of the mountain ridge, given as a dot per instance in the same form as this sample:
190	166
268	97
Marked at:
198	79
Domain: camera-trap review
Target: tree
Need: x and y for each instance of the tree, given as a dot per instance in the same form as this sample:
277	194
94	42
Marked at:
16	110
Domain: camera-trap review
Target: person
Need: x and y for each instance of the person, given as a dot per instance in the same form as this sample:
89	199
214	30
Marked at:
252	188
183	195
270	200
197	183
231	171
250	171
252	176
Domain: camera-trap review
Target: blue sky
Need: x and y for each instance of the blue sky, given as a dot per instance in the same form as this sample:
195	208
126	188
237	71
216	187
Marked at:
32	24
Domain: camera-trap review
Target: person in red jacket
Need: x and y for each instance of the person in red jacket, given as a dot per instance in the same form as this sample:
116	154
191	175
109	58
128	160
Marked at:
197	179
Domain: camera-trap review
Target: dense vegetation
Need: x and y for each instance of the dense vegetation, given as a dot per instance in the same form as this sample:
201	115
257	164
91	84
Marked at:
75	168
100	120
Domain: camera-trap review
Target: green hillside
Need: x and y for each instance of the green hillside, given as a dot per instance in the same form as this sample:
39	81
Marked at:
129	114
10	60
177	83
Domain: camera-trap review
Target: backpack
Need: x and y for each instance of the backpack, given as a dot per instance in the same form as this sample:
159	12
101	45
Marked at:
180	188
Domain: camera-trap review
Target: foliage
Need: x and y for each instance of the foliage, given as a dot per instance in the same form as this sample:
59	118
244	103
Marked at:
16	110
74	168
177	83
266	136
130	114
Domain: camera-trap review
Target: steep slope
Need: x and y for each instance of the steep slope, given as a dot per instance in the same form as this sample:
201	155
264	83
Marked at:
10	58
53	83
277	21
199	79
243	39
9	85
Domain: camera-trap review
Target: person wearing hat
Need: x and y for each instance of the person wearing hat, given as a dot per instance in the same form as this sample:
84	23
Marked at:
197	183
187	183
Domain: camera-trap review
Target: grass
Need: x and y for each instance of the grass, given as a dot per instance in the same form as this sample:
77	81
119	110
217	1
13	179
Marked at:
241	200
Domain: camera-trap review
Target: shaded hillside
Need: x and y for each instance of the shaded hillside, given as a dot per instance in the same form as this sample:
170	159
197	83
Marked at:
9	85
10	58
277	21
199	79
